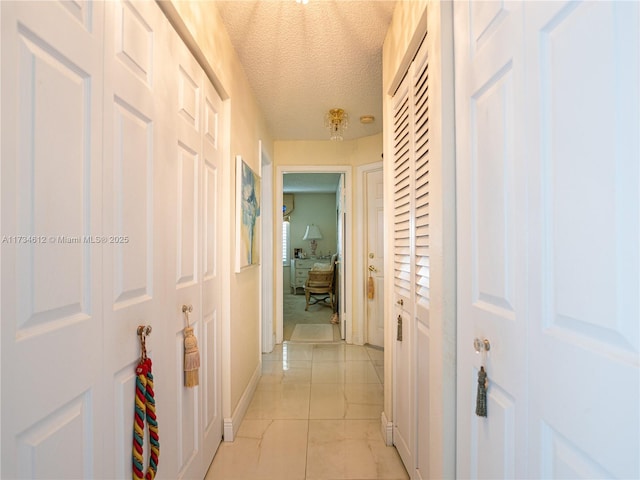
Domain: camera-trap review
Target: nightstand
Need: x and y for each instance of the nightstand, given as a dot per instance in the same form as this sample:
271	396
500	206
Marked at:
300	271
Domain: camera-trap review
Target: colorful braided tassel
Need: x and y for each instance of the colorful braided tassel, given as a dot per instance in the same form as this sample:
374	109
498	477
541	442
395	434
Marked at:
145	408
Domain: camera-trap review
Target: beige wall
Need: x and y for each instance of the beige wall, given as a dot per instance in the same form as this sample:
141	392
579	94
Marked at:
400	42
247	127
319	209
353	152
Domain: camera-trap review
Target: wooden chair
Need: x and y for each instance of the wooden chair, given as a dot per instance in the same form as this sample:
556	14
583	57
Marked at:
319	285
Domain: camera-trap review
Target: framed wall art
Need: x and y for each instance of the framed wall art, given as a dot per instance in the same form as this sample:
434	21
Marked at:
247	216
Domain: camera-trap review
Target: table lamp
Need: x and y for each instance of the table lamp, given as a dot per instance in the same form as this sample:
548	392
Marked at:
312	234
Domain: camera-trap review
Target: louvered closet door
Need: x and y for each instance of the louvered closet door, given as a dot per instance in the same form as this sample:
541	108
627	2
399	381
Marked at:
403	364
420	260
411	267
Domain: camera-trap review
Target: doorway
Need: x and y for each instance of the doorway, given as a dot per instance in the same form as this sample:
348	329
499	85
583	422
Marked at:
309	246
325	207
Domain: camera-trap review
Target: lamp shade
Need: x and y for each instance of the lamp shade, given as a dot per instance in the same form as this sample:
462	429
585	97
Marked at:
312	233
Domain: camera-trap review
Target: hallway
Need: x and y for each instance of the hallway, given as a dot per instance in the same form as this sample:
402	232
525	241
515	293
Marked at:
294	313
315	415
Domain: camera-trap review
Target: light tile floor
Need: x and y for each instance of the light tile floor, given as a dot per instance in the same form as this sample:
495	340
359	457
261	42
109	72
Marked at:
314	416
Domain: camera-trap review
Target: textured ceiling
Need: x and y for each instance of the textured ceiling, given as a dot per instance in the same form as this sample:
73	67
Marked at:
303	60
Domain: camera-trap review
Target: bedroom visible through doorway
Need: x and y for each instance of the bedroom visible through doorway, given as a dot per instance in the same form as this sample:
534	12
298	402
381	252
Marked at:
309	243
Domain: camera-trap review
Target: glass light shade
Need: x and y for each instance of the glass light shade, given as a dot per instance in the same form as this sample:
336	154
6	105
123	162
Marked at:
312	233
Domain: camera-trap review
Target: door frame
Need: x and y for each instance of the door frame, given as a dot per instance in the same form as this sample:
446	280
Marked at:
266	265
277	261
360	260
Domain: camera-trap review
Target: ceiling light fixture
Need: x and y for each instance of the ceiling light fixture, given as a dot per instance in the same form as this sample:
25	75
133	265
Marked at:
367	119
336	121
303	2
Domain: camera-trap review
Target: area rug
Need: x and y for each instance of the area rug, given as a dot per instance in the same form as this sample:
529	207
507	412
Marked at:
312	333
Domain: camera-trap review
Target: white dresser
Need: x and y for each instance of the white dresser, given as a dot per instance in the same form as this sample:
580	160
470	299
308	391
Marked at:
300	271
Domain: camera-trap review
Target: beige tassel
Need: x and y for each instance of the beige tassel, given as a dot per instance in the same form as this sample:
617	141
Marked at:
191	353
370	289
191	358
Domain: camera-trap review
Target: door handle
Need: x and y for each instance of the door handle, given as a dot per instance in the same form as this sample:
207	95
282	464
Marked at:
481	345
399	329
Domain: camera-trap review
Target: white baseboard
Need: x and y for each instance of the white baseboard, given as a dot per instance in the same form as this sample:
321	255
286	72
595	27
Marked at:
386	428
232	424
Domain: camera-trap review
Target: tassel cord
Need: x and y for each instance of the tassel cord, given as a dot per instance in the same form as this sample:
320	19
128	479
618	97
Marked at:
370	288
145	408
191	353
481	398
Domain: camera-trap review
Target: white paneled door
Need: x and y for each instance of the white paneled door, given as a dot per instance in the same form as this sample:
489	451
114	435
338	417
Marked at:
212	158
548	146
52	313
192	259
491	259
110	182
375	256
135	145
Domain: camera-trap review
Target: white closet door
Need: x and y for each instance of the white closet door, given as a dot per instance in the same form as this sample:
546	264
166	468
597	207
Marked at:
134	183
414	359
583	180
403	364
193	206
52	393
420	261
548	217
210	341
491	302
110	157
185	253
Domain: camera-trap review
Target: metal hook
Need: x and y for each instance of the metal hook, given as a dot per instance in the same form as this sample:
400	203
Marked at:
143	332
187	309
